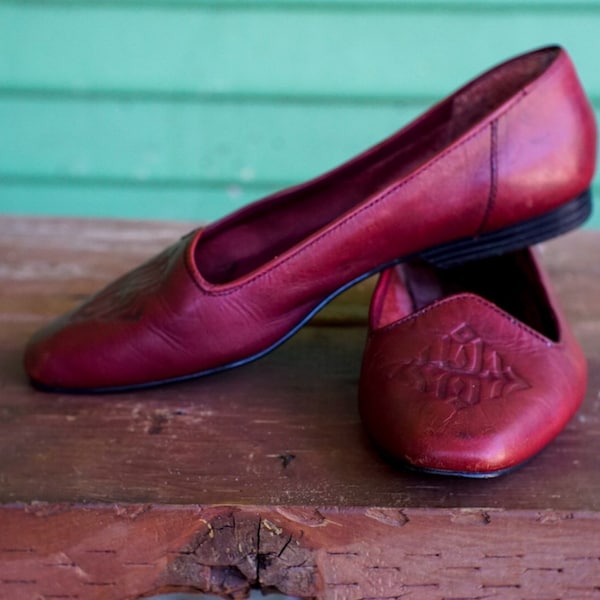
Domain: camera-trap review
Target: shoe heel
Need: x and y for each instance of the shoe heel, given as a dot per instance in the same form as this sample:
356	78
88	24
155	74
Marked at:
530	232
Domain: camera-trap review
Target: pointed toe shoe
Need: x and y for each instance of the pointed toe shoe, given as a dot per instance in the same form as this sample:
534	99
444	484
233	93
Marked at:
468	371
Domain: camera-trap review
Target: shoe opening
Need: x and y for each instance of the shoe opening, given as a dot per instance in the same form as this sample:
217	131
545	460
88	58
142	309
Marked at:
246	241
511	282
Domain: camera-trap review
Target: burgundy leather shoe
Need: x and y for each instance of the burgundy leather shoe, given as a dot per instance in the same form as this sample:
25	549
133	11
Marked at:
502	163
468	371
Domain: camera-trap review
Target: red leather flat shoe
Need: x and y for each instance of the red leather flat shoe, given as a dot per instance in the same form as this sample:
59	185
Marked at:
502	163
468	371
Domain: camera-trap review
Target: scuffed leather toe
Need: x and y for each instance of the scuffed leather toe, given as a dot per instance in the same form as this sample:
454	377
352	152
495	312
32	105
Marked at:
462	387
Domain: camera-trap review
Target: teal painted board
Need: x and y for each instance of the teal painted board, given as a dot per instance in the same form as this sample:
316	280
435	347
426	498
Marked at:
198	203
149	48
187	109
112	140
223	148
362	5
162	142
112	153
183	203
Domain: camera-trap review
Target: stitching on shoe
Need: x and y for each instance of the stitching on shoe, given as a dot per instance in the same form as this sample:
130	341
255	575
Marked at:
486	304
493	176
512	104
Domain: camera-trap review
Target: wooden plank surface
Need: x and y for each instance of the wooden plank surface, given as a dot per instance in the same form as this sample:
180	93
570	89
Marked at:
263	475
202	105
229	432
118	553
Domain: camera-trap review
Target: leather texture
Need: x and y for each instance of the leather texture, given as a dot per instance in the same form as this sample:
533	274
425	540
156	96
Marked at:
513	144
462	386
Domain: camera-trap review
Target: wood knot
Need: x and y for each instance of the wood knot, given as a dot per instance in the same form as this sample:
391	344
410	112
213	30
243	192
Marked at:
233	551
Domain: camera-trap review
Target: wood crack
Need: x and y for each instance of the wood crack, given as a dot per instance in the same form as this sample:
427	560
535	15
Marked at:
233	552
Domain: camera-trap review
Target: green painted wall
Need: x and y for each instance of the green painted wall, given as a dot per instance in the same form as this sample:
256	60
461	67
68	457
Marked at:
185	109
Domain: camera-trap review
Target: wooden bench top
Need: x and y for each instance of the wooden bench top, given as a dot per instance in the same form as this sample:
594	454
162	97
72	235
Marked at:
262	476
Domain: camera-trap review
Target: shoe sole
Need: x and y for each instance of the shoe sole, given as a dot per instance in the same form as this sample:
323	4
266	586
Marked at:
464	474
403	465
551	224
530	232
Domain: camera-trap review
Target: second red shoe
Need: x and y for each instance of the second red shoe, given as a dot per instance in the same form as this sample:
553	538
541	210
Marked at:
469	371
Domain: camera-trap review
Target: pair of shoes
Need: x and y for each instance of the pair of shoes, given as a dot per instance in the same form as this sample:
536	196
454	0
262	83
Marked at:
503	163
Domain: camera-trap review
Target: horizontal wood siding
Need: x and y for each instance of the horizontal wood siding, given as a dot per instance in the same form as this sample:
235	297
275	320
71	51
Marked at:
188	109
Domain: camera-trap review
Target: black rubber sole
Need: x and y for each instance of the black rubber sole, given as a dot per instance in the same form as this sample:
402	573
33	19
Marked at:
464	474
403	465
556	222
527	233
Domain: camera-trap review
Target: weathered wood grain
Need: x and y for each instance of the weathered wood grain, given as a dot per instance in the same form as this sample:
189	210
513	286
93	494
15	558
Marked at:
133	551
262	476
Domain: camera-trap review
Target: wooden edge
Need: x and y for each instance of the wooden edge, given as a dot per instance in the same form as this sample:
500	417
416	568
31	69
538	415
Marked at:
120	552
